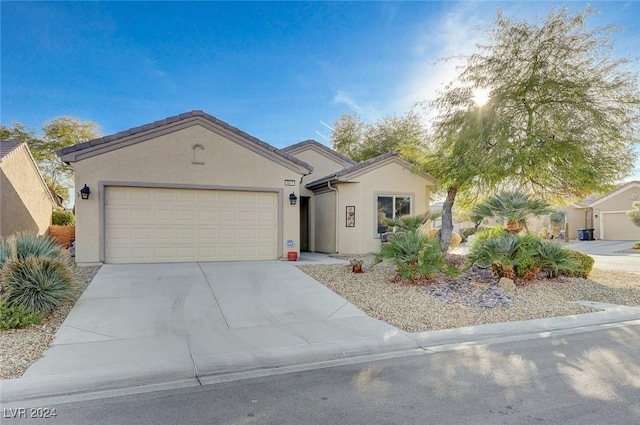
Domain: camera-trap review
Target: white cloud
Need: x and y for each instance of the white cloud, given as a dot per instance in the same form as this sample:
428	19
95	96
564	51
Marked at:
344	98
367	110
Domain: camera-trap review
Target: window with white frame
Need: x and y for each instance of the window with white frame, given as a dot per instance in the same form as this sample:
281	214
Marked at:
391	206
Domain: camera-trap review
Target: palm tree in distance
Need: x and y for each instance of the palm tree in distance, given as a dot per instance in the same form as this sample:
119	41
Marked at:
515	207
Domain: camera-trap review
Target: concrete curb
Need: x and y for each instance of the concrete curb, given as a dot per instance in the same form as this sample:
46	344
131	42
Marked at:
276	359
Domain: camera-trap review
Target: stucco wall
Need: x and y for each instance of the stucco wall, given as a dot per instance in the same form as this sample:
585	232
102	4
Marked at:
325	223
389	179
168	161
322	166
609	214
25	203
576	220
611	222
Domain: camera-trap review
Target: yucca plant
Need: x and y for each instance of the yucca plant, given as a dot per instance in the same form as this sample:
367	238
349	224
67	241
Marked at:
39	284
27	245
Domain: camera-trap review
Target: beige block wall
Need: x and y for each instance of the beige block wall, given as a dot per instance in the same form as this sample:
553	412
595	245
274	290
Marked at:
167	160
390	179
25	203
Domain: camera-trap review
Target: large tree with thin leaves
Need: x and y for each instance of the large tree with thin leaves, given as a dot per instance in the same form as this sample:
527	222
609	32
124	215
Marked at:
358	140
55	135
561	121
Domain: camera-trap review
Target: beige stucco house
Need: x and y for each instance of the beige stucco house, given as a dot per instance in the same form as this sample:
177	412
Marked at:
607	214
194	188
25	200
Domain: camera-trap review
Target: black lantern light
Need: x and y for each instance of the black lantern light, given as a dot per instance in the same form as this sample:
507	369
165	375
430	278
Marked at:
84	192
293	198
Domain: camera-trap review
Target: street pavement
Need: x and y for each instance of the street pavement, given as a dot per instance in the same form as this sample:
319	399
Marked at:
148	326
580	378
610	255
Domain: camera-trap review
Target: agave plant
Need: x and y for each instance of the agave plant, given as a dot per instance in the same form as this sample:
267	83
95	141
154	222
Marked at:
515	207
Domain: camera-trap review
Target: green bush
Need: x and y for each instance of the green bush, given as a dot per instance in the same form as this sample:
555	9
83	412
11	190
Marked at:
490	232
40	284
584	265
62	218
16	316
469	232
414	255
636	245
27	245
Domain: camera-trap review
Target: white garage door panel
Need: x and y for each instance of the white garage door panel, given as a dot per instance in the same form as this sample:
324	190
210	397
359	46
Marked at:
619	227
178	225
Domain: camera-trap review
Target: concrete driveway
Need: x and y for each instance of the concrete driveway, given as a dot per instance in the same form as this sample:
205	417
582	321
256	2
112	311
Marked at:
610	255
145	324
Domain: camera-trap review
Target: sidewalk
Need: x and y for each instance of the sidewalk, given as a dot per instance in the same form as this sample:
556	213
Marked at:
235	320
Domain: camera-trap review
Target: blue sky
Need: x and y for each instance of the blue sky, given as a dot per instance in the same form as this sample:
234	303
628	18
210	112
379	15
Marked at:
277	70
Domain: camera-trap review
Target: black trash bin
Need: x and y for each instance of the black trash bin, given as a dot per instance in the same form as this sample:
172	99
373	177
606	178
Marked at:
590	235
582	234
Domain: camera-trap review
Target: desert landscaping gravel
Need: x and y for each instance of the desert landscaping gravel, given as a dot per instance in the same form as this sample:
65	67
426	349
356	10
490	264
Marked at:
417	308
22	347
440	304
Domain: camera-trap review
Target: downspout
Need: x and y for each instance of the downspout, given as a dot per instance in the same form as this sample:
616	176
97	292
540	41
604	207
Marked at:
335	189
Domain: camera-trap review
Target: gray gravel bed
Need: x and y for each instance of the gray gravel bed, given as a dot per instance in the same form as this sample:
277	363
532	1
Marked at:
417	308
22	347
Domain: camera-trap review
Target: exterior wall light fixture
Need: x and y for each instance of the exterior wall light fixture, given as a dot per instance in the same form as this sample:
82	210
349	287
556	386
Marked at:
84	192
293	198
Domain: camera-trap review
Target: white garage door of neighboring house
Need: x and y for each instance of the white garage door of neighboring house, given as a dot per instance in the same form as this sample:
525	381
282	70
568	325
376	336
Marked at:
154	225
617	226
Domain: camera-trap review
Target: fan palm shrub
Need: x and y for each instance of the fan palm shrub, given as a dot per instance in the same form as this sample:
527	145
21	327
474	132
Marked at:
407	223
515	207
520	256
414	255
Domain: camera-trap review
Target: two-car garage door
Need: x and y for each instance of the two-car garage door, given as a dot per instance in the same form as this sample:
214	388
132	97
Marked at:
153	225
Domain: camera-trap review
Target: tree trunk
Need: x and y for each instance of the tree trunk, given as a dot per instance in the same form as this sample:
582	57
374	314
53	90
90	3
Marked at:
444	236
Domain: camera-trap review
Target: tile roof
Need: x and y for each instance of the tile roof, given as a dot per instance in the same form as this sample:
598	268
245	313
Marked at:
174	119
7	146
317	144
353	168
594	199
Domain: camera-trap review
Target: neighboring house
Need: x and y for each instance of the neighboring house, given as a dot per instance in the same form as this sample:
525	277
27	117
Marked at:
193	188
25	200
607	214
